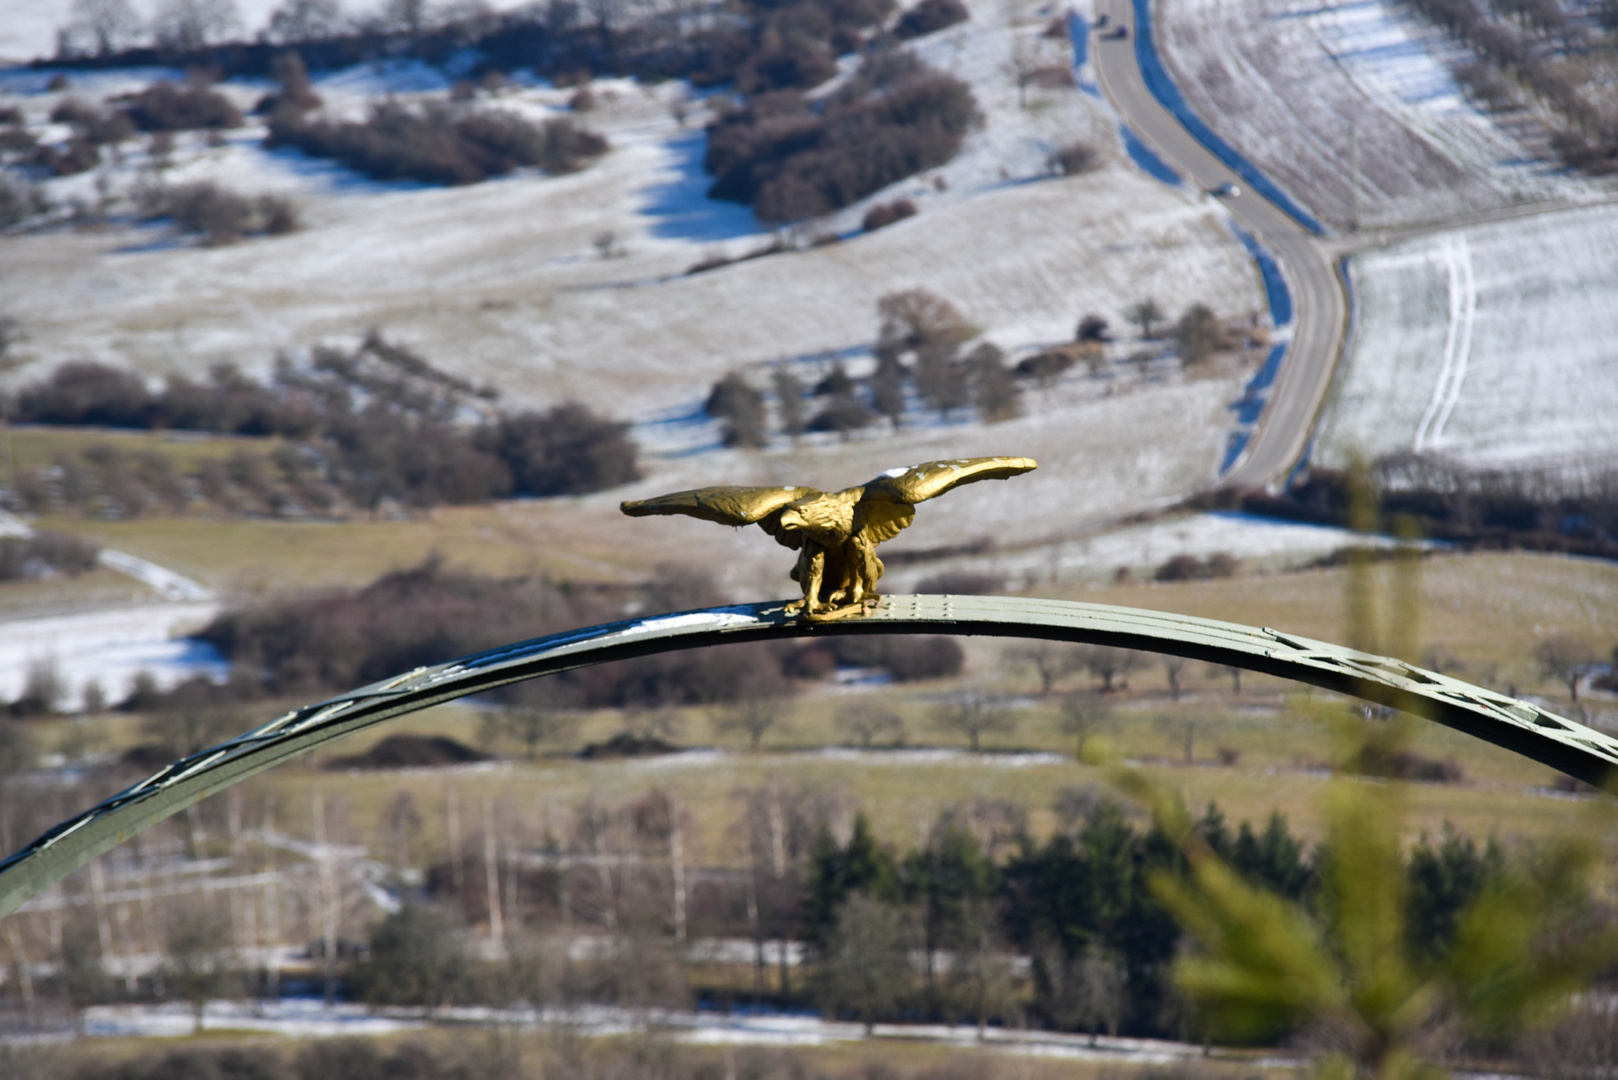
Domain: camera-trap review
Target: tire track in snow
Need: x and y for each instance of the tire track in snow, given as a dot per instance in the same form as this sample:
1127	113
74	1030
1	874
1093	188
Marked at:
1463	301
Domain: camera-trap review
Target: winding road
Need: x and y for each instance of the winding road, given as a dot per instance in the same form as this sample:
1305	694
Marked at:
1319	297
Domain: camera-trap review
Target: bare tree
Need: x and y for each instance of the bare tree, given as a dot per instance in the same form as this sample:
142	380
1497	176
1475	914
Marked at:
866	721
865	969
110	24
1173	668
1083	717
529	726
1183	728
1568	658
662	820
975	716
198	958
1108	664
888	389
408	16
188	25
1234	672
1145	314
789	403
306	20
1100	987
980	984
1050	662
752	716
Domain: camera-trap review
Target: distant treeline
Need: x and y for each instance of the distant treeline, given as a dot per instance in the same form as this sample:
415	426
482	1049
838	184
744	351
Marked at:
921	351
1541	48
1484	508
378	423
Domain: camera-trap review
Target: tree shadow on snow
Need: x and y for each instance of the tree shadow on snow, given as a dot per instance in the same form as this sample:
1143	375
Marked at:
679	205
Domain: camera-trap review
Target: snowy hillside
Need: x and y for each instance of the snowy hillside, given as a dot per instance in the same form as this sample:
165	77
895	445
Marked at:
576	286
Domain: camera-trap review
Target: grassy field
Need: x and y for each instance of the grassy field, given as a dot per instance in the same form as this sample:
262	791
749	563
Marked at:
29	447
1253	753
254	556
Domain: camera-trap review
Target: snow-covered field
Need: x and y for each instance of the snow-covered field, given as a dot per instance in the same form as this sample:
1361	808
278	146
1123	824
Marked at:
502	282
1321	94
1493	346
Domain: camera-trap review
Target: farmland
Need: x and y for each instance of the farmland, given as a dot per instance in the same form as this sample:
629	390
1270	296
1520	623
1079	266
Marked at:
1487	345
1353	110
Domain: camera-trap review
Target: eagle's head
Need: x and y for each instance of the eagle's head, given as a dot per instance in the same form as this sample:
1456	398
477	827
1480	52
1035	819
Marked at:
828	518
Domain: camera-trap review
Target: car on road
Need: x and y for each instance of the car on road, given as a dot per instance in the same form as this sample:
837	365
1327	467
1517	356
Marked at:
1225	191
1103	20
1121	32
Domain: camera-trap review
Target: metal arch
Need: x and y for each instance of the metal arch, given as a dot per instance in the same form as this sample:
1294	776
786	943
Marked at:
1520	726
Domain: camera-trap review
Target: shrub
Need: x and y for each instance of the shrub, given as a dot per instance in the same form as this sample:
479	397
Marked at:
32	556
884	214
439	144
792	160
75	156
415	960
994	390
166	106
1092	328
567	450
742	409
910	659
1221	564
929	17
795	61
1074	158
19	200
219	214
843	414
962	583
72	110
87	393
1199	334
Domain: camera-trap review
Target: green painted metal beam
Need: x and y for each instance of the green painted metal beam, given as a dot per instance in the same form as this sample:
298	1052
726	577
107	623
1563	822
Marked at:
1520	726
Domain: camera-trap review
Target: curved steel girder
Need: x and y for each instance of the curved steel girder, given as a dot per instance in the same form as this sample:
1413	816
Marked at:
1563	744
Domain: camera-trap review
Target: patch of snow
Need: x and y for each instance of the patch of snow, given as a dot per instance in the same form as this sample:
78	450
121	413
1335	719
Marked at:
110	647
169	584
293	1017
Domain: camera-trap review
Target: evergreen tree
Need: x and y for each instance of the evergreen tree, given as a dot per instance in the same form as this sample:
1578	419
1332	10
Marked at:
837	872
1273	858
949	880
1444	879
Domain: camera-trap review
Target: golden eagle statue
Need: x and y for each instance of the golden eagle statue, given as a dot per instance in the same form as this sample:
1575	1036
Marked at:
834	533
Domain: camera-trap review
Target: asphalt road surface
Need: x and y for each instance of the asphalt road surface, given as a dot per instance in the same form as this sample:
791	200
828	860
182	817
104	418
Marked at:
1320	306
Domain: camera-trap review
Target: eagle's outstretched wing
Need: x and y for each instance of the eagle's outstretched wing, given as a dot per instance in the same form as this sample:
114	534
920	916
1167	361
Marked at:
917	483
887	506
726	505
